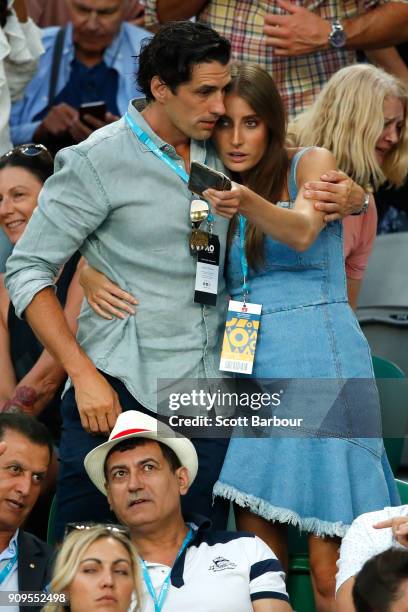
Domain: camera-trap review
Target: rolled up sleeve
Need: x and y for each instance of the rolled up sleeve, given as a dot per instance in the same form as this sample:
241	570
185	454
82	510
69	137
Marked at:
71	206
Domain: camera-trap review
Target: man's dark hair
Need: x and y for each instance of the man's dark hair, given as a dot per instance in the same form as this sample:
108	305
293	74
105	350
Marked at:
27	426
378	583
175	49
168	453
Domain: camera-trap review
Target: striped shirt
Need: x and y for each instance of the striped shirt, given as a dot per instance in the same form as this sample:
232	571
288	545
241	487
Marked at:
220	571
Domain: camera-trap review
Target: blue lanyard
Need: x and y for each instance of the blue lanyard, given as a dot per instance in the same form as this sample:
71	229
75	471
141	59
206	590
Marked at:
159	601
244	261
7	569
143	137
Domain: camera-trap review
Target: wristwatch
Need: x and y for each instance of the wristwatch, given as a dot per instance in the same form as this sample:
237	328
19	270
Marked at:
364	207
337	36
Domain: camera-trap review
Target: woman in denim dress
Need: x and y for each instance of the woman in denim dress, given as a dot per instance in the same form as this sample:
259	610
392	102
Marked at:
334	467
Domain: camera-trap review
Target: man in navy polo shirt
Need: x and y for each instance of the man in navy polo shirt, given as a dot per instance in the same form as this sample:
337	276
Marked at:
143	469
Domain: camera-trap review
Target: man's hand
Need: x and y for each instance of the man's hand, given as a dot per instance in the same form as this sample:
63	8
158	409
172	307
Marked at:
97	402
336	194
58	121
298	33
80	130
399	526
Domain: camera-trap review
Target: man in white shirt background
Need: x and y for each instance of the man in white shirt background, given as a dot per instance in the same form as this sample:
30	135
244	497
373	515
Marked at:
369	534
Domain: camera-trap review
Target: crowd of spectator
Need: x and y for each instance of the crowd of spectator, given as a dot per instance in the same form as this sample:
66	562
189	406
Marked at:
115	293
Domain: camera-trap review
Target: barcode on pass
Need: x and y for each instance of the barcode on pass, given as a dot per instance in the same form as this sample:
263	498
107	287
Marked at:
230	365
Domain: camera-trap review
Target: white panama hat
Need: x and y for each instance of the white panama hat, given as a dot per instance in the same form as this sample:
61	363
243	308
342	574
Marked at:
134	424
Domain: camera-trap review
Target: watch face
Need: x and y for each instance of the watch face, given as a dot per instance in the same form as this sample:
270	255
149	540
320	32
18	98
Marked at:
338	38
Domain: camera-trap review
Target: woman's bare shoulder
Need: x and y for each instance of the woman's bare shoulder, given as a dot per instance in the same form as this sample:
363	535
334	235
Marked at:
315	162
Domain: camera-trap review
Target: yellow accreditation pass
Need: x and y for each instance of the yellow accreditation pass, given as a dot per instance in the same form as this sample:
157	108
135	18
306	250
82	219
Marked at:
240	336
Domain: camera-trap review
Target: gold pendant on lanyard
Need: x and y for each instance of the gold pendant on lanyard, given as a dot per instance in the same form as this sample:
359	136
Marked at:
199	211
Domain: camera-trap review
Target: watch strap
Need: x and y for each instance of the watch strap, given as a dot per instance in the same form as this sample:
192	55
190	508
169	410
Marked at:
364	207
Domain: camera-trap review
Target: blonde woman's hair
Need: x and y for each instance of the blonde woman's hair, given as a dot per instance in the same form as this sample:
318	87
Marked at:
347	118
71	552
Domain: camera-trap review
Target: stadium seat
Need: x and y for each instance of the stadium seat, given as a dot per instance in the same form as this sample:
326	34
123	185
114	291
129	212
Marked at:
383	302
300	584
403	490
393	389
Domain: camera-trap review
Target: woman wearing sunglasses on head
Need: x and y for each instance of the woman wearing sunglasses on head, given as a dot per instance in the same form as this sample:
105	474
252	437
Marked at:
321	480
96	569
30	379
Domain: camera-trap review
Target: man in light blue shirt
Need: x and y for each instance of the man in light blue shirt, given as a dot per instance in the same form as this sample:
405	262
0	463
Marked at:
97	62
128	212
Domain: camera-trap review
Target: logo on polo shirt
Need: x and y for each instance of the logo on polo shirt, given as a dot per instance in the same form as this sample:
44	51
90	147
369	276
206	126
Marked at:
221	563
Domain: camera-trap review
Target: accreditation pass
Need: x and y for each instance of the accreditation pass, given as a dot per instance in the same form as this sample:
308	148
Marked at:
240	336
208	265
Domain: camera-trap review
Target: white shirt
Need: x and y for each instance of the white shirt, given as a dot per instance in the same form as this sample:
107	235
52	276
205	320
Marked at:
362	541
20	48
11	581
220	572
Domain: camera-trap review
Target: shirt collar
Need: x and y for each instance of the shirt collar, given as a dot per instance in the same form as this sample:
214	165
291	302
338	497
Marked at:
197	147
112	51
200	525
200	522
11	550
135	109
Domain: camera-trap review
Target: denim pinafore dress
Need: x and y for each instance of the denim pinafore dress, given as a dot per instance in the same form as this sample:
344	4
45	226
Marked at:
320	478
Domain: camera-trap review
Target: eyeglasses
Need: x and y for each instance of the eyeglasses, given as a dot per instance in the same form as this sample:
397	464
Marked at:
199	212
109	528
29	150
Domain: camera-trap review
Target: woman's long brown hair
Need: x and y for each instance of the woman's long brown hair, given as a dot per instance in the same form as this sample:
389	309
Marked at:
268	177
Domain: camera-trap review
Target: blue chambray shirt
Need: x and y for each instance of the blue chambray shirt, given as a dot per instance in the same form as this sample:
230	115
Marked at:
11	582
128	214
120	55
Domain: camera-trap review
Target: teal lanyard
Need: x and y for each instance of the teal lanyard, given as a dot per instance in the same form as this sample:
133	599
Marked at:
7	569
159	601
145	139
244	261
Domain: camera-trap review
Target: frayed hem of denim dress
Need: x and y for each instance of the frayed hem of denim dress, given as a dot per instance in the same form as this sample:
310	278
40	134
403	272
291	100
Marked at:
272	513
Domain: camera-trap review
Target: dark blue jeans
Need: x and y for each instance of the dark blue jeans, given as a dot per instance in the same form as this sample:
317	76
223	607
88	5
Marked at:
79	500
